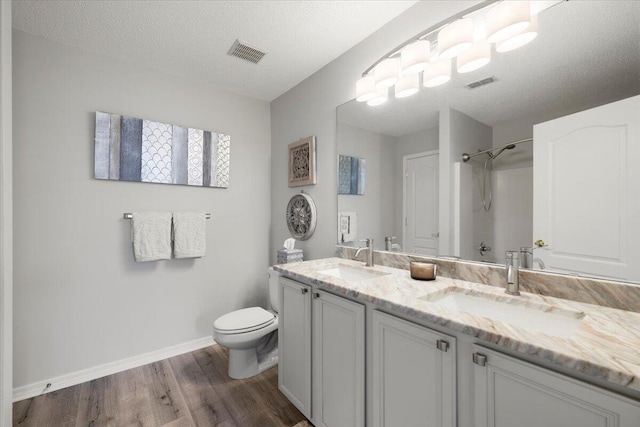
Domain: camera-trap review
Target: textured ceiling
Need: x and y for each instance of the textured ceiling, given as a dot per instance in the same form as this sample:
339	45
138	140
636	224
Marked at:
586	54
191	39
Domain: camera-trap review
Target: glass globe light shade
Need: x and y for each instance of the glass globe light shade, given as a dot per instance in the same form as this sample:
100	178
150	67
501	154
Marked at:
407	86
382	96
529	33
438	73
506	19
365	88
478	56
415	57
455	38
387	72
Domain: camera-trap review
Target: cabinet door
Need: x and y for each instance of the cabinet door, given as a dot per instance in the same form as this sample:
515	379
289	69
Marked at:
586	205
414	375
294	342
509	392
338	361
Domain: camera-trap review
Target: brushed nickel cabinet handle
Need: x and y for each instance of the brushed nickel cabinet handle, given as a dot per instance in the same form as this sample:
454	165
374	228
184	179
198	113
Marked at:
480	359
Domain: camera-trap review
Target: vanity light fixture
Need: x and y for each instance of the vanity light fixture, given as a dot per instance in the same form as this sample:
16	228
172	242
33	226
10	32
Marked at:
382	95
366	88
455	38
407	86
415	57
477	57
437	74
529	33
467	37
387	72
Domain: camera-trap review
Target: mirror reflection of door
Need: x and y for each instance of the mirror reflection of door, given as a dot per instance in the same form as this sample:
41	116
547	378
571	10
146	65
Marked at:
587	207
421	203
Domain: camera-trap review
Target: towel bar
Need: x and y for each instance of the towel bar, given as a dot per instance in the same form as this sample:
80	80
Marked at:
129	215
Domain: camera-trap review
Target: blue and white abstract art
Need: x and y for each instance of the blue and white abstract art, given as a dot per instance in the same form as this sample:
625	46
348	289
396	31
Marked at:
131	149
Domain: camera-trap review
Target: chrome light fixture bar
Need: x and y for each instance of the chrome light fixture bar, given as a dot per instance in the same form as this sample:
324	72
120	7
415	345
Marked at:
465	38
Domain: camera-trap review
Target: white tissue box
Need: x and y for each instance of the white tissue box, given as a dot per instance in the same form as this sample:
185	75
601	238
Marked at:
289	255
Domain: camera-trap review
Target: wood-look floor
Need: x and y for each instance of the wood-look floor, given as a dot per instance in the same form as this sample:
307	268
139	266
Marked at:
192	389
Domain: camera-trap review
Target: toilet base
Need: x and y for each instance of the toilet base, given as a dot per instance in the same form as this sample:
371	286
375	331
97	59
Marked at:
245	364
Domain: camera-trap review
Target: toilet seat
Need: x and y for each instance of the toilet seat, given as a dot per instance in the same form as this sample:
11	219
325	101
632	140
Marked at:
244	320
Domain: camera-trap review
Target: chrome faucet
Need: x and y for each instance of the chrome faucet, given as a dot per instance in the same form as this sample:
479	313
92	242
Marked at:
511	272
527	260
389	245
369	249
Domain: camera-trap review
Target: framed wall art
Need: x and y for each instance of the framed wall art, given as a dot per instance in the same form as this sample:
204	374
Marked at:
302	162
132	149
351	175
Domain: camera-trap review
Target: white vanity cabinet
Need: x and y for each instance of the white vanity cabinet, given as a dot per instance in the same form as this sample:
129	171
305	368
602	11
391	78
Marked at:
510	392
294	344
418	376
331	329
338	361
414	374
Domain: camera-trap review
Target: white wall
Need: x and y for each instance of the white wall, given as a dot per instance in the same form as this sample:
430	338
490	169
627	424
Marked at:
6	218
80	299
310	109
374	208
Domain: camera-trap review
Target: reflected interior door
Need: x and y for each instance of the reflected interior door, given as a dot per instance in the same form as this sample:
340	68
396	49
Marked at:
421	203
586	198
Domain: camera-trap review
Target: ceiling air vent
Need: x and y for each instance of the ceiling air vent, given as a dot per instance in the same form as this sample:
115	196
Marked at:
246	52
481	82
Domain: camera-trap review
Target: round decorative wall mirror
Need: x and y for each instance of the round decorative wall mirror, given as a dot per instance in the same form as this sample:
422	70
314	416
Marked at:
301	216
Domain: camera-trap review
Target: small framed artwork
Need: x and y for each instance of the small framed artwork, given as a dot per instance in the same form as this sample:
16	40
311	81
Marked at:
302	162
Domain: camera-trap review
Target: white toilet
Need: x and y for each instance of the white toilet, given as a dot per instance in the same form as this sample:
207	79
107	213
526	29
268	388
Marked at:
251	335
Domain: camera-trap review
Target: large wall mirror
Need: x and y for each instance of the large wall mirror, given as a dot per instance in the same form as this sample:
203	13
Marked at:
574	192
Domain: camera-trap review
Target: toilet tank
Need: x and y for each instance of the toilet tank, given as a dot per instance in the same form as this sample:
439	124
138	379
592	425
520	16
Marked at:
273	289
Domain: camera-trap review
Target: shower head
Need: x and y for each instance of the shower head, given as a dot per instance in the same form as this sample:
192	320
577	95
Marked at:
508	147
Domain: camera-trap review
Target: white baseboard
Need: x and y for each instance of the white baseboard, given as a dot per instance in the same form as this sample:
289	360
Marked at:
67	380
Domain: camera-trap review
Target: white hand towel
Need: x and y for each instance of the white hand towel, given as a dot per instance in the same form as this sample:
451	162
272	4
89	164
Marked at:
189	234
151	235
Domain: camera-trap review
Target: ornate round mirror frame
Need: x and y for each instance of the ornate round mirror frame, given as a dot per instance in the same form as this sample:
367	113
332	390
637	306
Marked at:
301	216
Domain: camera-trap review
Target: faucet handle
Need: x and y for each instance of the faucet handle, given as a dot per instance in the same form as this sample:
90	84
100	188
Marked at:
511	255
369	242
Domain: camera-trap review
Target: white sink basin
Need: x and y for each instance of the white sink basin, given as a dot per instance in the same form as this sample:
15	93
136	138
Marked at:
543	318
346	272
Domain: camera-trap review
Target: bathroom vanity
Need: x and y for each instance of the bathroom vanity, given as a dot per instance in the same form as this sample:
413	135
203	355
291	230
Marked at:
371	346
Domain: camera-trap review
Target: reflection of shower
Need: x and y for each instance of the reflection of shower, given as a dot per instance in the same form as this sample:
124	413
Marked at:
488	167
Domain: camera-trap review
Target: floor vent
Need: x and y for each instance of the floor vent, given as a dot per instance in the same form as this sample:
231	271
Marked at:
246	52
481	82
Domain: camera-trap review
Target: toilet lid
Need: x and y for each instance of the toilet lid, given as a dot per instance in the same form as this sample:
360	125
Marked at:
244	320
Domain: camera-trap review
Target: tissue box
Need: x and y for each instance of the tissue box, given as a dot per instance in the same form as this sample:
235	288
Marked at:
285	256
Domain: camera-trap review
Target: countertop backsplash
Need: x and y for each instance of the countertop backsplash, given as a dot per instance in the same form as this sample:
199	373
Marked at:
619	295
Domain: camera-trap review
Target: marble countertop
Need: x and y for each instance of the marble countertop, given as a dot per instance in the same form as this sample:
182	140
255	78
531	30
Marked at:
606	345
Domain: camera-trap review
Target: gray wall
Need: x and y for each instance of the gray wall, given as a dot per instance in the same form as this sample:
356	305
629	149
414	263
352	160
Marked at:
459	134
310	109
375	208
80	299
6	221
